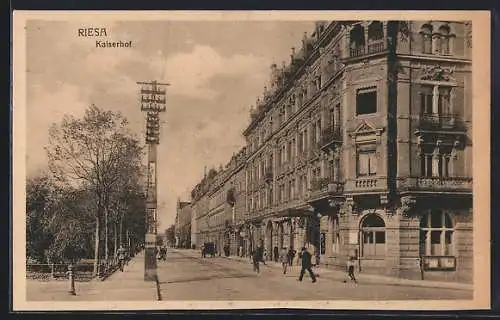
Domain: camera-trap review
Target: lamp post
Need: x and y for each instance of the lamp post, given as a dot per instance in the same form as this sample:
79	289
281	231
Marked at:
320	235
153	101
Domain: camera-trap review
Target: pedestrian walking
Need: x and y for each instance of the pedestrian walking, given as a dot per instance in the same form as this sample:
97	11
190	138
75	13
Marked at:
283	259
290	255
306	265
350	270
121	257
257	258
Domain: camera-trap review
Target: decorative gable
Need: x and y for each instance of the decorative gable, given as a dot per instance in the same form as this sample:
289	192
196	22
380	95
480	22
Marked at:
365	128
366	132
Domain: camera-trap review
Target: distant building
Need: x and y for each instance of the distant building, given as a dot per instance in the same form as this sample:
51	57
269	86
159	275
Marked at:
361	146
183	224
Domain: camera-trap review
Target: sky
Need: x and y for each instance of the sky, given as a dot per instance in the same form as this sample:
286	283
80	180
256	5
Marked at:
216	71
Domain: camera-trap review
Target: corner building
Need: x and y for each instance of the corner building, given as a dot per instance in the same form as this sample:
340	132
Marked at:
362	146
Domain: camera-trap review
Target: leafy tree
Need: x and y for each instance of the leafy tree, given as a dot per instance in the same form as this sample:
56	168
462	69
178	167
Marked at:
95	152
38	193
170	234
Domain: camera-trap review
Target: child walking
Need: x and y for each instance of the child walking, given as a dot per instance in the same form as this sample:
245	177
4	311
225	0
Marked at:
350	270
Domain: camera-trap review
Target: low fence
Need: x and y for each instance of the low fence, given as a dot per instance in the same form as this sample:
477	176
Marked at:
83	270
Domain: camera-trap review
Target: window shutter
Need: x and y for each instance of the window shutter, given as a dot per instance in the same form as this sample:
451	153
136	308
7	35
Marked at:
373	163
363	163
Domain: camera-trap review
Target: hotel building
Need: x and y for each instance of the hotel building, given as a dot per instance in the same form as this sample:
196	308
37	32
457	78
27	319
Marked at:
361	146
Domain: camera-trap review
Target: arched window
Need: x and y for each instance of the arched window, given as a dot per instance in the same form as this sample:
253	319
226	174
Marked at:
375	37
426	34
372	236
335	234
436	234
357	40
444	44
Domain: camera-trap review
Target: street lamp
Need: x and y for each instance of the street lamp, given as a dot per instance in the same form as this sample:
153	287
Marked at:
320	235
153	101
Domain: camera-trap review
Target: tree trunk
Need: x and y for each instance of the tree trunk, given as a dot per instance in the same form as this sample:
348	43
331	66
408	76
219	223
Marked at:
106	235
115	248
96	249
121	230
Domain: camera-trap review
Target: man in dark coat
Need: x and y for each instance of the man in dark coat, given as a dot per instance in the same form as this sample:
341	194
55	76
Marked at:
306	265
290	256
257	258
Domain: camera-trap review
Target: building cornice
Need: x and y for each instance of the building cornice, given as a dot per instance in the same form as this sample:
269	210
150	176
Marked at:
329	33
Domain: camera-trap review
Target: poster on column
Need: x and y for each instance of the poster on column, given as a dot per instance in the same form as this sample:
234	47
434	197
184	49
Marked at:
152	175
353	237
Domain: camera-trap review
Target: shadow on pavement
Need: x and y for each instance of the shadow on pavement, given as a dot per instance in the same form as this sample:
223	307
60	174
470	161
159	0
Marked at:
208	278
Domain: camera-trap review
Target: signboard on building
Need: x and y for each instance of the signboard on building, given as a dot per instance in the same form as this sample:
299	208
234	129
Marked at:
439	263
353	237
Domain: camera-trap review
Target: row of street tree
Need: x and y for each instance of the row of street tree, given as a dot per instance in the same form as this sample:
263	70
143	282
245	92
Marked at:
91	198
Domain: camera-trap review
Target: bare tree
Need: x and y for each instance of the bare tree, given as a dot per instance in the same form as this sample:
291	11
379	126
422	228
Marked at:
96	150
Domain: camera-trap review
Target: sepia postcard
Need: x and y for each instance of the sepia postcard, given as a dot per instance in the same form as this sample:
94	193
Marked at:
251	160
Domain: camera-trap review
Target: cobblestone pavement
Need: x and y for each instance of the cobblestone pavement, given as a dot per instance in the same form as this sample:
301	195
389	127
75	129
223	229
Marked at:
186	276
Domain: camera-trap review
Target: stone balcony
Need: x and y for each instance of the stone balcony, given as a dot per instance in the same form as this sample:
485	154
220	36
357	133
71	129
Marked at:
440	122
329	137
268	175
438	184
373	47
366	184
324	188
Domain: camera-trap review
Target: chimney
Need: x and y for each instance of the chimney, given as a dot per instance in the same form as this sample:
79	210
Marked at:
292	55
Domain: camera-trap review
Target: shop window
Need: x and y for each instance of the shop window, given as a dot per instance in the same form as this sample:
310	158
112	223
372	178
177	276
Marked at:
366	101
436	234
335	235
373	236
366	162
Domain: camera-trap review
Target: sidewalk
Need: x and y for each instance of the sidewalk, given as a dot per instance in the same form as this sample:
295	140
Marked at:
128	285
330	273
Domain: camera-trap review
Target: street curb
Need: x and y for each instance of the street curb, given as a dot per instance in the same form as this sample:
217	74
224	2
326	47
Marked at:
393	281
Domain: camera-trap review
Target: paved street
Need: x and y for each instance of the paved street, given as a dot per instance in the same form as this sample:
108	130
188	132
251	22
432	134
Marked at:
186	276
120	286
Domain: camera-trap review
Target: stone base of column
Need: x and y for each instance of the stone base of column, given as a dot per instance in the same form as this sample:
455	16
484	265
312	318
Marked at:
150	272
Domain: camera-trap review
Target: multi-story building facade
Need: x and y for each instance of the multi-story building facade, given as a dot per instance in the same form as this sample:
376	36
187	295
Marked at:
183	224
362	147
219	203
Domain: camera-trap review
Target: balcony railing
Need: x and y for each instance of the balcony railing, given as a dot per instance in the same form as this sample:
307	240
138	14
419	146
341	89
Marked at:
330	135
434	121
461	184
325	185
366	183
374	46
268	175
439	183
357	51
